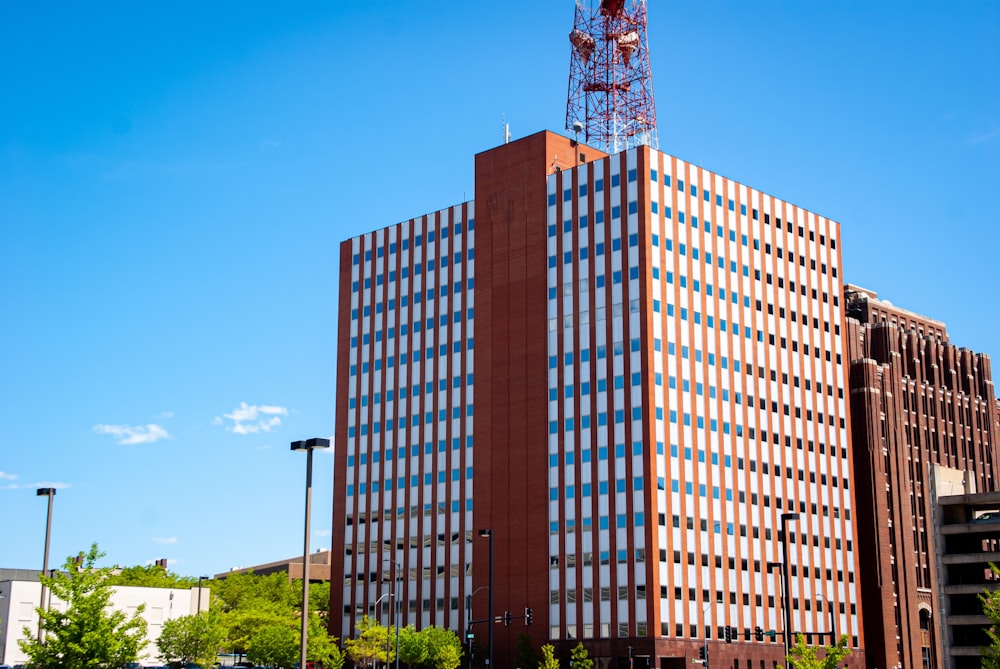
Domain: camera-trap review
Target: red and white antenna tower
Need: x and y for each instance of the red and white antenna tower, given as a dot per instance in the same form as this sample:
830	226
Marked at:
610	83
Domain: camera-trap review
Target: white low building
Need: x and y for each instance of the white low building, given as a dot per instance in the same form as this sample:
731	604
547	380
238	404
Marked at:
20	599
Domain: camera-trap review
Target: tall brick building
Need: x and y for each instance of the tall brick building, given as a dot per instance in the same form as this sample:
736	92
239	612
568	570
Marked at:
626	367
917	401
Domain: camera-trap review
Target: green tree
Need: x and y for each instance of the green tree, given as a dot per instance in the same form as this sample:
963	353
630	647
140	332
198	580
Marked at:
412	649
580	658
150	576
370	645
87	634
322	647
526	656
319	598
192	639
238	588
242	623
991	608
549	660
248	602
253	607
273	645
807	657
444	648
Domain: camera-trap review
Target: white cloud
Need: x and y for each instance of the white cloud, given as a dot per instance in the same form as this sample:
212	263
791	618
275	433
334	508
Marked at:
4	476
30	486
134	434
165	541
252	418
322	533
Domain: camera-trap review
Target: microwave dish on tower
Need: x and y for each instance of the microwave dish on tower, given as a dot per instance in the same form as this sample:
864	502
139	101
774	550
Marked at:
610	81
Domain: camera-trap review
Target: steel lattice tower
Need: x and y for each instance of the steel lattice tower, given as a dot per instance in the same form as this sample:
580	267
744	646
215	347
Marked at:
610	82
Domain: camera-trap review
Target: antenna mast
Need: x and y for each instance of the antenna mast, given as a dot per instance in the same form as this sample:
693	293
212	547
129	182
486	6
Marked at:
610	81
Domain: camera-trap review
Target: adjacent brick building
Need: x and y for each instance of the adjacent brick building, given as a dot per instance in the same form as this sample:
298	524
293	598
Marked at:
918	402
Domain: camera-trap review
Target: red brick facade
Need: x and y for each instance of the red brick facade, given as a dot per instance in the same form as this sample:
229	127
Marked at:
917	400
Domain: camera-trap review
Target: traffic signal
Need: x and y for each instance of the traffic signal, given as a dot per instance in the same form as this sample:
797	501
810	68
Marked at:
527	615
728	634
506	618
701	652
758	633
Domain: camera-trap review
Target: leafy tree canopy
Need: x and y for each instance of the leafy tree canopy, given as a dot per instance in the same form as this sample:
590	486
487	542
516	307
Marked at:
150	576
444	648
991	608
273	645
526	656
808	657
412	649
273	591
262	616
549	660
370	646
321	646
87	634
192	639
580	657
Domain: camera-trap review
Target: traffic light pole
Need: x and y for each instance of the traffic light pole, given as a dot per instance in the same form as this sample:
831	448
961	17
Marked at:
506	619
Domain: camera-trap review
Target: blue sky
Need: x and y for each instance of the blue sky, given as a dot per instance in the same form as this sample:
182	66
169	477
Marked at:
175	179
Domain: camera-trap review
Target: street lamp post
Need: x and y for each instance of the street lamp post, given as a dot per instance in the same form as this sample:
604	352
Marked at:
833	622
308	446
50	493
395	604
489	533
378	613
704	615
786	579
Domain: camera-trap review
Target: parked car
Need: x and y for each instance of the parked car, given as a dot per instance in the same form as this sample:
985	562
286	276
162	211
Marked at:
988	517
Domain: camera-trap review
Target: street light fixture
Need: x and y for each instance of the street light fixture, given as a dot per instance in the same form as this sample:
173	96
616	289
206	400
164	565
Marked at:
489	533
396	606
50	493
378	614
308	446
833	621
786	579
705	617
468	601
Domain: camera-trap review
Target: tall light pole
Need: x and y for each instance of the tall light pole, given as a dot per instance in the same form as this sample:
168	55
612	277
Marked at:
833	621
395	604
489	533
787	585
50	493
309	445
379	614
704	615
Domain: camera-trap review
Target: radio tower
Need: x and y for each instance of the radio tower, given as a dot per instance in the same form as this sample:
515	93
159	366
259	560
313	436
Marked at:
610	83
